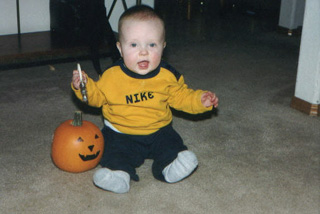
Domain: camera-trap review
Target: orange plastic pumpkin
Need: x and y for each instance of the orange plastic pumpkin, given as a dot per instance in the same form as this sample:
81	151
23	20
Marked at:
77	145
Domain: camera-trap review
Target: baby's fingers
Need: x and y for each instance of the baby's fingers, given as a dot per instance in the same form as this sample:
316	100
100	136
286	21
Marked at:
215	101
76	79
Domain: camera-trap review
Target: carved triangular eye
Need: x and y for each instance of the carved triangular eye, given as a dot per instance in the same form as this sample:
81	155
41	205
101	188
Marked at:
80	139
96	137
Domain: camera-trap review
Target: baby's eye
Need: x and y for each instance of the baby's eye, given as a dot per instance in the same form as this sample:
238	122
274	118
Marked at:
153	45
133	45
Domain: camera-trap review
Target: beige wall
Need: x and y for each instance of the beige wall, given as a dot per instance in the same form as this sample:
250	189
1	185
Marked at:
35	15
291	13
308	77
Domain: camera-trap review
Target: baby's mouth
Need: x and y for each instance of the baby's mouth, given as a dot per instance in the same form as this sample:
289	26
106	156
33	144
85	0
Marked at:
143	64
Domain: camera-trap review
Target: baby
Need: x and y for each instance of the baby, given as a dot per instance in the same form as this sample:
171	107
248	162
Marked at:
136	94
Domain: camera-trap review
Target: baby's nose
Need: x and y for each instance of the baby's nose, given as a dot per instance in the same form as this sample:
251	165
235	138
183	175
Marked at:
143	51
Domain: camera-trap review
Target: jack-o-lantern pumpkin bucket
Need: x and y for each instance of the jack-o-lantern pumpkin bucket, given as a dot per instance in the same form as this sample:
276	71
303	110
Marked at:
77	145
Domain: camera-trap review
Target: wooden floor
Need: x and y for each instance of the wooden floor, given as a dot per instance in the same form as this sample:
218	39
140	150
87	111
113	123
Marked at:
37	48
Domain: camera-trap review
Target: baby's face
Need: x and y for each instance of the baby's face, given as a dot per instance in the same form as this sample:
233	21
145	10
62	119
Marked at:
141	44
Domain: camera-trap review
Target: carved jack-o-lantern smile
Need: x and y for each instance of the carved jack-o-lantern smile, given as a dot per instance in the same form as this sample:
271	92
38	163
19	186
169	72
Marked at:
77	145
89	157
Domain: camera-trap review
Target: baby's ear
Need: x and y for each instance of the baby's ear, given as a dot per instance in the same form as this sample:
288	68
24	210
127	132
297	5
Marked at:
164	44
119	47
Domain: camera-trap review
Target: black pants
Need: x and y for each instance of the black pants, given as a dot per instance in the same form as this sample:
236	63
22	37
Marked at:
127	152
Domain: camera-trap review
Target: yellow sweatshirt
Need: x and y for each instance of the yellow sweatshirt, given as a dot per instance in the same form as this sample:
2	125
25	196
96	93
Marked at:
140	104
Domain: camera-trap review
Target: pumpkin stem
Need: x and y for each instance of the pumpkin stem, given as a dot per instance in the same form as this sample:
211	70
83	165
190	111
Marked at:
77	121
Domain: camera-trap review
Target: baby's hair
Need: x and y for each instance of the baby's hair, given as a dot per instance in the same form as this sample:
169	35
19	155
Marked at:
139	12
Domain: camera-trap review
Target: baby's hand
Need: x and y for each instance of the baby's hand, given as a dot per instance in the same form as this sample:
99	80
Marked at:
209	99
76	79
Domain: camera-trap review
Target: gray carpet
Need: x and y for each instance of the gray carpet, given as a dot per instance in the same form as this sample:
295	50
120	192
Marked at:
256	154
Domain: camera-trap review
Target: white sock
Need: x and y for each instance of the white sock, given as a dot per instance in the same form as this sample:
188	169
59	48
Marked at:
114	181
181	167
